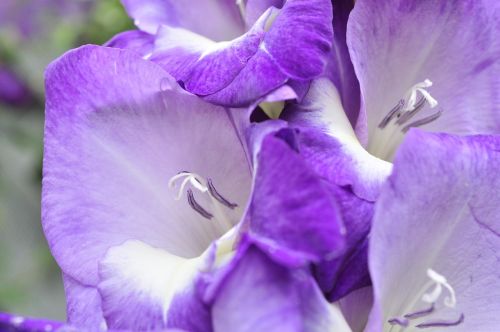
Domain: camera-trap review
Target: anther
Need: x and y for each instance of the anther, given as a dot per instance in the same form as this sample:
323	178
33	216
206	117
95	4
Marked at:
399	321
420	313
459	321
423	121
385	121
197	207
409	114
215	194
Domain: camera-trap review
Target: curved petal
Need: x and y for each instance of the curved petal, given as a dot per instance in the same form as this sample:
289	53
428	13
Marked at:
255	8
340	69
139	283
291	205
215	19
439	211
136	40
83	305
113	140
396	44
257	294
243	70
330	143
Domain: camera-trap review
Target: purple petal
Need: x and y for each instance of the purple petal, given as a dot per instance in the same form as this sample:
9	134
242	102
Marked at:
330	143
83	305
258	294
243	70
13	323
439	211
138	284
255	8
301	37
397	44
290	204
340	69
113	140
356	307
135	40
215	19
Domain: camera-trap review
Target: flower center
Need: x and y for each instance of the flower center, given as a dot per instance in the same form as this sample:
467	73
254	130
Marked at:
391	129
188	181
434	289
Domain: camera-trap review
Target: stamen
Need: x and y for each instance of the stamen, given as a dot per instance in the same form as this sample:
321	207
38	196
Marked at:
421	313
385	121
399	321
408	115
449	301
423	121
197	207
215	194
459	321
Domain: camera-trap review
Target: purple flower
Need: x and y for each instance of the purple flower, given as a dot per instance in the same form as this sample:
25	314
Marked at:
435	237
231	53
144	188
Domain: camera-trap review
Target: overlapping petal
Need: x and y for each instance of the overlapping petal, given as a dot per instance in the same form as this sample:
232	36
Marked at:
115	134
216	19
291	43
396	44
261	294
439	211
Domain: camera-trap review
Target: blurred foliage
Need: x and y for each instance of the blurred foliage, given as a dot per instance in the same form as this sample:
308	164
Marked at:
30	281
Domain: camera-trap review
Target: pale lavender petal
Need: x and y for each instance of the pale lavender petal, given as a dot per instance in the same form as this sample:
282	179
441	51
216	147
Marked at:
115	135
439	211
135	40
83	305
138	284
215	19
258	294
356	307
396	44
255	8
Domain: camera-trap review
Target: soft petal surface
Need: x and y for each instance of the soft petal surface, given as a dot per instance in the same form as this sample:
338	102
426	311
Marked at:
330	144
291	205
83	305
215	19
136	40
115	134
259	294
139	282
439	211
245	69
396	44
